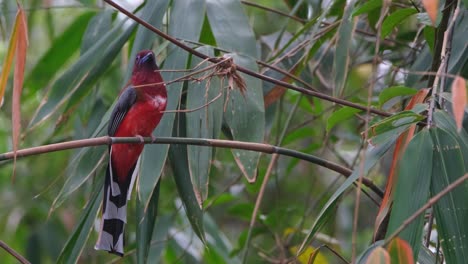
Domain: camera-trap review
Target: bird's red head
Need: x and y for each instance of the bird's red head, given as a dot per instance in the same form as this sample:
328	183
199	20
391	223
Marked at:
145	61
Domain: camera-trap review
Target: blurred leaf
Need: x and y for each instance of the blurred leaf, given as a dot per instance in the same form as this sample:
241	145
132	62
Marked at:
341	115
310	255
76	242
396	18
245	117
400	251
146	221
451	211
12	49
153	13
79	170
426	256
431	7
61	50
187	28
364	256
84	72
97	27
395	91
180	166
367	7
218	242
226	17
429	35
404	118
242	211
378	256
412	189
459	100
459	54
18	78
203	123
341	58
373	155
160	235
446	122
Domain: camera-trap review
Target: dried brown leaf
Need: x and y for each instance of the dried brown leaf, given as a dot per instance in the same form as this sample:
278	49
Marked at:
431	7
459	100
21	50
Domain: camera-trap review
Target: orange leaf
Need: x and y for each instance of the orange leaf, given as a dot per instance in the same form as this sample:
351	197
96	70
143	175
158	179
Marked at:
378	256
9	59
431	7
459	100
21	49
400	251
400	146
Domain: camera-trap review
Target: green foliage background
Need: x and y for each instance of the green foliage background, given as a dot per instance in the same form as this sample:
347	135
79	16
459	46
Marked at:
80	55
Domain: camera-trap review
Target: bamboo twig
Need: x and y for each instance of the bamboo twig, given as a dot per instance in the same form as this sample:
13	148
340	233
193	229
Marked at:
260	147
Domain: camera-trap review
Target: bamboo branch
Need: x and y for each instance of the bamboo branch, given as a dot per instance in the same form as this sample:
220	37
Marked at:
260	147
12	252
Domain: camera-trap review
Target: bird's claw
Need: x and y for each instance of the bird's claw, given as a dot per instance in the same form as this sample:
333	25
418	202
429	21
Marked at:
142	139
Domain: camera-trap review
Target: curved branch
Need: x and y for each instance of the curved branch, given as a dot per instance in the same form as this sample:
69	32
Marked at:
260	147
245	70
12	252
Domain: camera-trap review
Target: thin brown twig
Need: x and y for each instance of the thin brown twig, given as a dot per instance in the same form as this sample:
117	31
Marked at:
258	202
13	253
245	70
383	12
430	203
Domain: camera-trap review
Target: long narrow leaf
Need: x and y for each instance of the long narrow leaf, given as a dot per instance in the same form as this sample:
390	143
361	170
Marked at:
451	211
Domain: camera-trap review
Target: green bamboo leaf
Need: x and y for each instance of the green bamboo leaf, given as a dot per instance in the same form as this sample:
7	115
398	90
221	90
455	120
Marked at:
372	157
203	123
394	91
62	49
451	211
459	54
97	27
230	26
245	116
146	221
412	189
395	19
76	242
188	28
401	119
341	115
341	59
180	166
367	7
84	72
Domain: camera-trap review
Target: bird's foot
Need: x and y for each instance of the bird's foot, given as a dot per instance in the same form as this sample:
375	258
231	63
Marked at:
142	139
153	138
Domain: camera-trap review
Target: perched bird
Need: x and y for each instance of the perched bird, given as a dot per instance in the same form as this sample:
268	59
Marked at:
137	113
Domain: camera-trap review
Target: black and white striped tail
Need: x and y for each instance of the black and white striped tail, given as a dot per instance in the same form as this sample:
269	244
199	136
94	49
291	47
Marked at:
114	211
